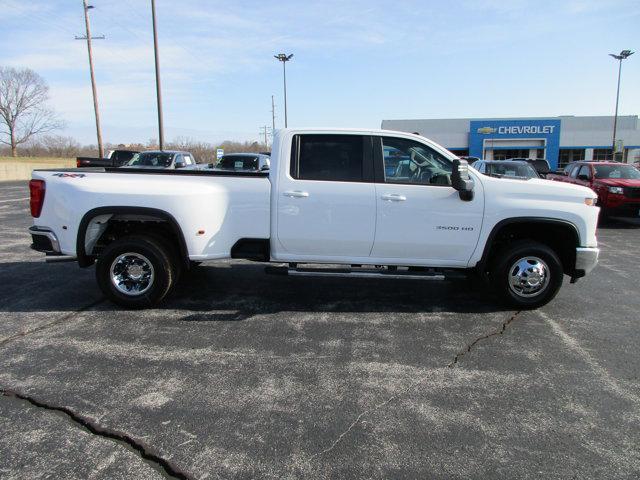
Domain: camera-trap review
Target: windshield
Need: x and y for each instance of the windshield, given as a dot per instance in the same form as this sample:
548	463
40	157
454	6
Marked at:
238	162
151	159
626	172
511	169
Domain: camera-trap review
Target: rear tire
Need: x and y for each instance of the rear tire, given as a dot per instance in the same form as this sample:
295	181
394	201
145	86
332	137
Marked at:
527	274
136	271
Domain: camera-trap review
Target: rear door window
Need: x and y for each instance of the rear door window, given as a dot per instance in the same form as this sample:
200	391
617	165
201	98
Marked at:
574	171
338	158
584	170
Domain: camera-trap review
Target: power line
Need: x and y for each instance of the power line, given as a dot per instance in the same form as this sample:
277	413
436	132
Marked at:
273	116
266	131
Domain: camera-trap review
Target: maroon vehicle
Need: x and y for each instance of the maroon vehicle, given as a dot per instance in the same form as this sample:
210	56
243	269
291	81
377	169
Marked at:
617	185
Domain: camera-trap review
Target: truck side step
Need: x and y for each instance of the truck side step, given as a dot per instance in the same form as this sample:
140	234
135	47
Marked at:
426	274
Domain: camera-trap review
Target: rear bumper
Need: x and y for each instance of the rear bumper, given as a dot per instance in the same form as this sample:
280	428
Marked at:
44	240
586	260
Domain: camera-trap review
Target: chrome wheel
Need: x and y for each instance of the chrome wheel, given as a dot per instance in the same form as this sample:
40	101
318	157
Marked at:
132	273
529	276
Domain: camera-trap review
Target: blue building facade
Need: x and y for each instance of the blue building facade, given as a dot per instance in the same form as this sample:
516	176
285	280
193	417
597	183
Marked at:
560	140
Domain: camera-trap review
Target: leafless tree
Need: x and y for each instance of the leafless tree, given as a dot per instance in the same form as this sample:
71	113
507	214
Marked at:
23	110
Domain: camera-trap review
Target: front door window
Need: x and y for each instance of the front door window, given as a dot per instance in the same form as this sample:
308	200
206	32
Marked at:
410	162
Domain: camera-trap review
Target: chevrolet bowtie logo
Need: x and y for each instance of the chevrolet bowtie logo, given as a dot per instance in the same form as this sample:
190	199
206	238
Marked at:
486	130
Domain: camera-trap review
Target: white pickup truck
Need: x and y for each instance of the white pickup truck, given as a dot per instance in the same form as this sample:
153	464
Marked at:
369	202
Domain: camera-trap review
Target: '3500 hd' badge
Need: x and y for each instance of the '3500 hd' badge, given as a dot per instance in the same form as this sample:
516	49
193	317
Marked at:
454	228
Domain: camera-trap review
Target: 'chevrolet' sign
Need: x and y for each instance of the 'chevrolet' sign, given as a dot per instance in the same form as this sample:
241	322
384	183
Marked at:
518	130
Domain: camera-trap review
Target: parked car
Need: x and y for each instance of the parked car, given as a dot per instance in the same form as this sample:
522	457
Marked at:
114	158
617	184
251	162
470	160
163	159
506	169
541	165
326	201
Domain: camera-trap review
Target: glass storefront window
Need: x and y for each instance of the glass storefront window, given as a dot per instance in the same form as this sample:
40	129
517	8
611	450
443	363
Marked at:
602	154
568	155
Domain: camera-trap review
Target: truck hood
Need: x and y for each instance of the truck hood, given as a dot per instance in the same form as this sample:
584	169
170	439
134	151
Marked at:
618	182
537	189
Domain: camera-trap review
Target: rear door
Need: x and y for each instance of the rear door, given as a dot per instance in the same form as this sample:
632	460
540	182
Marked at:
421	219
326	201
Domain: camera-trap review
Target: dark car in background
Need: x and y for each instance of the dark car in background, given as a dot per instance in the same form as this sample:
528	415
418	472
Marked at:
114	158
506	169
244	162
540	164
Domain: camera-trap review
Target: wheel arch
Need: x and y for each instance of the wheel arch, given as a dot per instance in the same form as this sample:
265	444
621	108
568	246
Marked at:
561	235
86	259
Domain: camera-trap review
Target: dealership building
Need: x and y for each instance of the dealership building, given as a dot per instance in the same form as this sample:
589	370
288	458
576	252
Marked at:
560	140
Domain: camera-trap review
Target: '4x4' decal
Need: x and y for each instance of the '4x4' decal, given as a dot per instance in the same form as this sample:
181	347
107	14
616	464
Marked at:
69	175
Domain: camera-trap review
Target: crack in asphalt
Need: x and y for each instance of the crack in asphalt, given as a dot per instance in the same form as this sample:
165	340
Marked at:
57	321
451	364
470	346
144	451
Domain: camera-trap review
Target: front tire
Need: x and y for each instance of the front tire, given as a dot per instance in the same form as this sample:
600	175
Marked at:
135	271
527	274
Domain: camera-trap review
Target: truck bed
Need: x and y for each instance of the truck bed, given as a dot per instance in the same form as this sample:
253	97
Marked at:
212	209
159	171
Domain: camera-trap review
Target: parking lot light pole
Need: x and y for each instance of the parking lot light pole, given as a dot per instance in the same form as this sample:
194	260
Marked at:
621	56
284	58
158	86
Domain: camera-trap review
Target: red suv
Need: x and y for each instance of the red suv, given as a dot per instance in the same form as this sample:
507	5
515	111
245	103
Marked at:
617	185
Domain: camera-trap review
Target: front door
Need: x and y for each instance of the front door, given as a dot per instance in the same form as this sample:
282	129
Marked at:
326	201
421	219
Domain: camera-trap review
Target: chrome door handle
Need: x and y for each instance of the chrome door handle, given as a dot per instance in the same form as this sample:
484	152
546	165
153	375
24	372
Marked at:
393	197
296	194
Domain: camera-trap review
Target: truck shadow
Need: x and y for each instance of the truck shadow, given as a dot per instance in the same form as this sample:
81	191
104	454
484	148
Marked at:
247	290
237	291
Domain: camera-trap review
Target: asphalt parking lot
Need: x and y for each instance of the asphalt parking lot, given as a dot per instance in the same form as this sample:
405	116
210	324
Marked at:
244	375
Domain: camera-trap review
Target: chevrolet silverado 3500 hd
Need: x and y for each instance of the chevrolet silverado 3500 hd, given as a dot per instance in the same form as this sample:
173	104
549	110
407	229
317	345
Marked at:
376	203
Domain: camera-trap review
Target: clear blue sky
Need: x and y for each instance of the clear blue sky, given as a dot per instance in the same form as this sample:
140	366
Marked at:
355	63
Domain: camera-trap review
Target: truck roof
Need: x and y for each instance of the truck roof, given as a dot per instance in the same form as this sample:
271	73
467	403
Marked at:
165	151
377	131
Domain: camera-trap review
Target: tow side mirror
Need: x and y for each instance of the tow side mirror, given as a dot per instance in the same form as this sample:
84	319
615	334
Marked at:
461	181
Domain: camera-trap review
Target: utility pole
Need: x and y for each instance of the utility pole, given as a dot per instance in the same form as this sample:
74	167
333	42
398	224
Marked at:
158	86
273	116
265	131
624	54
88	38
284	58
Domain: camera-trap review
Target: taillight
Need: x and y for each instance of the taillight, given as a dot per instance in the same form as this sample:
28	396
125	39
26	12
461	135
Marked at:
36	189
78	163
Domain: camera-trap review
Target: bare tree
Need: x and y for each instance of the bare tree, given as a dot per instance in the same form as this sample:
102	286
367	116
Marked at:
23	113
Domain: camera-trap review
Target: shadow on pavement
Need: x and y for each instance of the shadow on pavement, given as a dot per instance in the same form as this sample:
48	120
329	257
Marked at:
234	292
